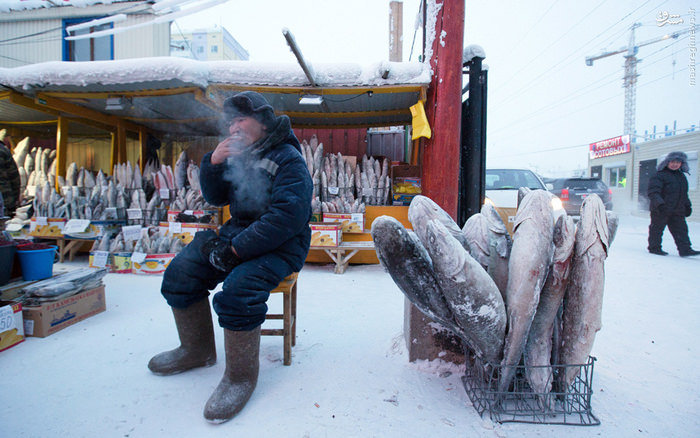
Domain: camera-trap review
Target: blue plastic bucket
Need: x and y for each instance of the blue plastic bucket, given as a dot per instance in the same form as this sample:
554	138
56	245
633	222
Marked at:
37	264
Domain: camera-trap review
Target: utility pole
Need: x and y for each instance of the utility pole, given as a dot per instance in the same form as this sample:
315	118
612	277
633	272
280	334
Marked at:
630	78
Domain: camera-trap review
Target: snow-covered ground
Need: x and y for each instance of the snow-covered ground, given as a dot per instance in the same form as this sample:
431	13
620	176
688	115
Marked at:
350	376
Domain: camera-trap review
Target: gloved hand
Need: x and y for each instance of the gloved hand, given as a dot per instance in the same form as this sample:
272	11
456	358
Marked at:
220	254
688	211
661	209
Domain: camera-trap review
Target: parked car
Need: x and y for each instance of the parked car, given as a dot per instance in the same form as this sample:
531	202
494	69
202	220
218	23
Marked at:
502	191
572	192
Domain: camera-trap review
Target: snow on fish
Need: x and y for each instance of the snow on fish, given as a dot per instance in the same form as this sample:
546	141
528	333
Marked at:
530	258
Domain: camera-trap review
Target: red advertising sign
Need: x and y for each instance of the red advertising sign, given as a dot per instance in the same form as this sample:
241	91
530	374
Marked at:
612	146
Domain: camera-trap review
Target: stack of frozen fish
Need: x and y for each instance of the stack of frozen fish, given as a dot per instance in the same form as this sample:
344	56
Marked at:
151	241
535	297
340	187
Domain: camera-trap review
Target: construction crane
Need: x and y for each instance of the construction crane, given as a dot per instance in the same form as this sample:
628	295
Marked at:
630	78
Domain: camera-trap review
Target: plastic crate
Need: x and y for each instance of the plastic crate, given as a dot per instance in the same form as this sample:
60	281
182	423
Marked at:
570	406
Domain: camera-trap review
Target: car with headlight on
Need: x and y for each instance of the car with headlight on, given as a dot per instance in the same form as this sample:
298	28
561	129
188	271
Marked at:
502	187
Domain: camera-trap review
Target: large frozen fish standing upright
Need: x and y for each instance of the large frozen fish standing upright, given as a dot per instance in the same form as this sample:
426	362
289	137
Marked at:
423	209
500	245
583	303
529	263
538	350
476	233
471	294
408	263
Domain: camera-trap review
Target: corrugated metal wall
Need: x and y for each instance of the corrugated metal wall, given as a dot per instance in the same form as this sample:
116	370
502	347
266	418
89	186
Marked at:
349	142
46	44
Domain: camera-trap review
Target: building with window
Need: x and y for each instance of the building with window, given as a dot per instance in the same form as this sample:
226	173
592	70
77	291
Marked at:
627	166
213	44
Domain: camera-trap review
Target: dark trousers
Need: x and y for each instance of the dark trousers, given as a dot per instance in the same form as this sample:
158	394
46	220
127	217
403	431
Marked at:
676	225
241	304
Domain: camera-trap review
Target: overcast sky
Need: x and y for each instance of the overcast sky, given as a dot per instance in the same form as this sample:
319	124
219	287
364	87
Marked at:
544	104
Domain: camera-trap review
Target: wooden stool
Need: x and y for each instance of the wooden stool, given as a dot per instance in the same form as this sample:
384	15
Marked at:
288	287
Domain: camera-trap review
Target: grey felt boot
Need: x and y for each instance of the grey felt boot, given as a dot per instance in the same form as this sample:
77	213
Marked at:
240	376
197	348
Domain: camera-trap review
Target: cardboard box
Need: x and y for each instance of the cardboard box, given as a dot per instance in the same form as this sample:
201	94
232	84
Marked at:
47	226
350	222
194	216
47	319
11	325
326	233
154	264
120	263
405	183
183	231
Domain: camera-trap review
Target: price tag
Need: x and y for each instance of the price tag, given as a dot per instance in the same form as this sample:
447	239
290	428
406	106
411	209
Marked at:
76	226
164	193
131	232
100	259
333	190
7	318
138	257
134	213
41	220
356	217
189	212
175	227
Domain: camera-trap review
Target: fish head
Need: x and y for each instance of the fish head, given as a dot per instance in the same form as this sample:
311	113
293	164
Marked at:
522	192
493	219
593	224
441	244
535	205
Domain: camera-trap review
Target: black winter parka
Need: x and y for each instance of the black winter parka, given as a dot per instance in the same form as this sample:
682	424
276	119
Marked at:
268	190
668	193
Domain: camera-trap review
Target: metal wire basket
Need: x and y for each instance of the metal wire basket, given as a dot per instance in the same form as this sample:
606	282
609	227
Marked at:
571	406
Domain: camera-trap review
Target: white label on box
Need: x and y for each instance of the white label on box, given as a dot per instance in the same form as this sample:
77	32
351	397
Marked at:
189	212
356	217
41	220
164	193
134	213
29	327
7	318
76	226
175	227
131	232
100	259
333	190
138	257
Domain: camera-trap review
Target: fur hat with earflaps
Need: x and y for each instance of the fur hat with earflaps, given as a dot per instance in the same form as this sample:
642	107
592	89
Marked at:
675	156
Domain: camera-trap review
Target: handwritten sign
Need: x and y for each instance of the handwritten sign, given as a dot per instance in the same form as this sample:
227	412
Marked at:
76	226
100	259
134	213
138	257
333	190
7	318
164	193
175	227
131	232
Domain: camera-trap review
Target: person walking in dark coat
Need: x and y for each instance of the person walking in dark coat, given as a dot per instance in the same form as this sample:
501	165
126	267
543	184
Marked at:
9	182
260	173
669	205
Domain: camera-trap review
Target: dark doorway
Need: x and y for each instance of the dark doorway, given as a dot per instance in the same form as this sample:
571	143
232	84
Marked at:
646	169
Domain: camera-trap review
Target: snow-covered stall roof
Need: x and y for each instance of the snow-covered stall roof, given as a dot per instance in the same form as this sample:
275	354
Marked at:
184	96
